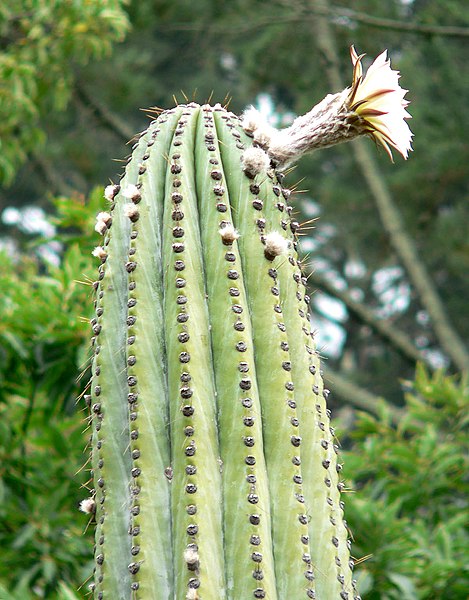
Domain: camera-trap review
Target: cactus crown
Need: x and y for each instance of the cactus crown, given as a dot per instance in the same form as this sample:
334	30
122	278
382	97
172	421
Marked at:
214	462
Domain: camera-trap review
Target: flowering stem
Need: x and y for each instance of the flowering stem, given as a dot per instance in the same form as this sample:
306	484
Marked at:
391	217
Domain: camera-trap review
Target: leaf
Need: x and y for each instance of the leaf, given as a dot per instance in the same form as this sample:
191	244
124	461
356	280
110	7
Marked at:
65	592
16	343
404	585
24	536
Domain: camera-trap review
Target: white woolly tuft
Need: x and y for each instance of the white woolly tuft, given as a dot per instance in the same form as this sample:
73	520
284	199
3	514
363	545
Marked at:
99	252
255	161
275	244
130	210
103	221
264	134
228	233
110	192
100	227
192	594
252	120
104	216
132	192
88	506
191	556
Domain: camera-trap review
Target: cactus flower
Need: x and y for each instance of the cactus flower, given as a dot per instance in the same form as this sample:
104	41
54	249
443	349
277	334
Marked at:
374	105
378	99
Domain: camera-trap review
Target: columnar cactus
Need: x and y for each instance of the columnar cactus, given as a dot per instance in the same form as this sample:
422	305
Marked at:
214	462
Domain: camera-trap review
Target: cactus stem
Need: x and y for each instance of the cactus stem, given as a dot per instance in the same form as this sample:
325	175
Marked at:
213	457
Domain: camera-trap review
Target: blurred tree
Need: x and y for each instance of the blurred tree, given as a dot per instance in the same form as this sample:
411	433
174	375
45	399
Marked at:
41	43
55	58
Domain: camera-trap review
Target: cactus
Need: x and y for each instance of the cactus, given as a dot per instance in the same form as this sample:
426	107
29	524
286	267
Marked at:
214	462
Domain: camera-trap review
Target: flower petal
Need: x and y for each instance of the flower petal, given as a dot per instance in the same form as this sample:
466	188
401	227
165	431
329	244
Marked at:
378	101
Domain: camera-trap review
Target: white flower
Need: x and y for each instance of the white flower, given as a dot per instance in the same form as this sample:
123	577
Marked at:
374	105
378	100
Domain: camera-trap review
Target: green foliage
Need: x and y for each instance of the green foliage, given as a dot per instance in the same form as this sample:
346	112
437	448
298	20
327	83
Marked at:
43	346
41	536
410	506
42	44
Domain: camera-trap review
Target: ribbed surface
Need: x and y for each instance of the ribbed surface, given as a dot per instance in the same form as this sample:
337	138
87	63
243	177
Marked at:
221	458
110	444
146	377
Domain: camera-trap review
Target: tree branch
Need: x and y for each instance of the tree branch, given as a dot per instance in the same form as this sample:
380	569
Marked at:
396	339
332	11
55	182
381	23
391	217
407	252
